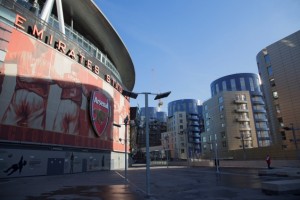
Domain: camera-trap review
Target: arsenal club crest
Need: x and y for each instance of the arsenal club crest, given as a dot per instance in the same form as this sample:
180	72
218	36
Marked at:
100	112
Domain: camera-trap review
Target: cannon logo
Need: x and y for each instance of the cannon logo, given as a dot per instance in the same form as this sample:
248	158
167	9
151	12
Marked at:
99	112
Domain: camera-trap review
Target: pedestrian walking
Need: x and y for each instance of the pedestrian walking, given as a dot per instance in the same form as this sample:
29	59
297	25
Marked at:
268	160
72	163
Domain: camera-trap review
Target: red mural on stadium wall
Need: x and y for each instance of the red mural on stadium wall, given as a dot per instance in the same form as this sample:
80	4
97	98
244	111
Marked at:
43	90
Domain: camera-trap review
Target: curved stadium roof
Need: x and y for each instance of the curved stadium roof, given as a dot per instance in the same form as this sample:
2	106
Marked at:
89	21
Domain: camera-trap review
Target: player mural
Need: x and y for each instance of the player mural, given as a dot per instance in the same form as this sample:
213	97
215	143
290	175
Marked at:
33	62
61	101
68	112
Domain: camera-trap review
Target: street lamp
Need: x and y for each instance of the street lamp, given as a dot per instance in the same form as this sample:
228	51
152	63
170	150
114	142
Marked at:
158	96
243	144
216	152
119	125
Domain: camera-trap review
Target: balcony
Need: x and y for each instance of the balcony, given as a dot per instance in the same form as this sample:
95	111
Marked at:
258	102
194	123
260	94
242	119
245	128
261	119
241	110
194	129
193	117
197	141
262	128
240	101
259	110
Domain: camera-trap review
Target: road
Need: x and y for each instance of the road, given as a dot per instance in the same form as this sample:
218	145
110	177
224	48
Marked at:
165	183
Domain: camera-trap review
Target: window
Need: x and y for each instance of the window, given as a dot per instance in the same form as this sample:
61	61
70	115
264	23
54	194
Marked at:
275	95
233	85
270	71
280	120
277	108
221	108
243	85
224	86
207	123
283	136
251	84
272	82
223	135
206	116
267	59
212	91
217	88
220	100
224	144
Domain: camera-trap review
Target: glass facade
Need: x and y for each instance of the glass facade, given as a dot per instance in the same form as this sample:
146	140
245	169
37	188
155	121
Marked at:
236	82
194	126
183	105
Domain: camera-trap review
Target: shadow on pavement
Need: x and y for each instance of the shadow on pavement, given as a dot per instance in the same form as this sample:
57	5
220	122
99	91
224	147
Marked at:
106	192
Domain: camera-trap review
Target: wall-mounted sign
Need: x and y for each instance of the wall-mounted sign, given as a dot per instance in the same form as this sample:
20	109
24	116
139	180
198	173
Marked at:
100	110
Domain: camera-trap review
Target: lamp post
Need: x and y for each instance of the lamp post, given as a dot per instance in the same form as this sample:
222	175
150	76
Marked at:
125	122
157	97
216	151
243	144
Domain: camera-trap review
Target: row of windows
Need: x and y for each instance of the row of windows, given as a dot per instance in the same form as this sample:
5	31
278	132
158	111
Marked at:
233	85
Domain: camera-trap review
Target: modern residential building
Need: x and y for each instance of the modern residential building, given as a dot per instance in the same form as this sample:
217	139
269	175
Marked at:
182	138
279	68
63	68
157	125
235	116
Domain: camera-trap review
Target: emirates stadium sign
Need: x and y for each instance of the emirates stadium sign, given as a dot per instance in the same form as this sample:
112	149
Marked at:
99	112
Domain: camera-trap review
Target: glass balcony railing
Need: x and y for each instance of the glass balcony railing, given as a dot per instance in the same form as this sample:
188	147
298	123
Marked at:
86	45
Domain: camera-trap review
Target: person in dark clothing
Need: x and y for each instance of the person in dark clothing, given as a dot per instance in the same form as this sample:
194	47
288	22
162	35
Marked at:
72	163
268	160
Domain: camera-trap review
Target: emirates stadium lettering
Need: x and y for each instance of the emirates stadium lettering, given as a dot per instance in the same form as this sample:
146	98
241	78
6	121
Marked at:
63	48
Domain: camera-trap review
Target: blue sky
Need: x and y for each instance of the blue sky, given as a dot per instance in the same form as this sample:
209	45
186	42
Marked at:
183	45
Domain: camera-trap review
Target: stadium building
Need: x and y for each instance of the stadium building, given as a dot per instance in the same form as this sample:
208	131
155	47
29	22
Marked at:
63	68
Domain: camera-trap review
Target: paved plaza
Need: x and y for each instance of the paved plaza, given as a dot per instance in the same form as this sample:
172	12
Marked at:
165	183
